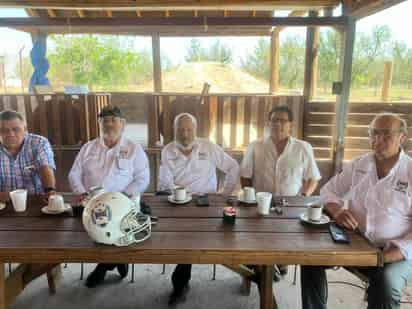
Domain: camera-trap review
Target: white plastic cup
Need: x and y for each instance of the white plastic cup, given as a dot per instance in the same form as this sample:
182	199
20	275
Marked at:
314	212
179	194
19	199
56	202
249	194
264	201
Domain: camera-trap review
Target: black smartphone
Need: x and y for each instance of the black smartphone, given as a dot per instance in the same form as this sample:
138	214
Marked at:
202	200
338	234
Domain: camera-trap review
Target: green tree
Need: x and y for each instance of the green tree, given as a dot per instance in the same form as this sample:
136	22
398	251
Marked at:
257	63
105	62
217	52
292	62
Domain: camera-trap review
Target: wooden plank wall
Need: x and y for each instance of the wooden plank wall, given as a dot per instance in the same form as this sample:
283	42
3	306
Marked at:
232	121
63	119
320	126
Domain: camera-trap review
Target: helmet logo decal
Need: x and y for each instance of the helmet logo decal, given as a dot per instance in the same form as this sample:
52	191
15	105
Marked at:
101	214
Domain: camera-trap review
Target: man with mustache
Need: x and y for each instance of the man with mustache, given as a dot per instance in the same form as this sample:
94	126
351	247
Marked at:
379	188
114	163
191	162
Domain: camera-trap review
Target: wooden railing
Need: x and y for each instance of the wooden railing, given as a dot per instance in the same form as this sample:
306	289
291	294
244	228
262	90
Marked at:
63	119
232	121
320	126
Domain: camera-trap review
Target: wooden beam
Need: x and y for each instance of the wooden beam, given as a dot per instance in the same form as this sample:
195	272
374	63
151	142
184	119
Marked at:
109	13
274	62
51	13
387	81
360	9
138	13
311	60
157	69
32	12
173	21
81	13
176	4
342	100
167	13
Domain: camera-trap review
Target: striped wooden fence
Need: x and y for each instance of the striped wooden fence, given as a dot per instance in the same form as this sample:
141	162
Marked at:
320	126
232	121
63	119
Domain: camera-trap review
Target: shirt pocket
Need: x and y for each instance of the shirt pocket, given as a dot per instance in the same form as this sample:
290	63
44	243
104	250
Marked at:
397	201
123	166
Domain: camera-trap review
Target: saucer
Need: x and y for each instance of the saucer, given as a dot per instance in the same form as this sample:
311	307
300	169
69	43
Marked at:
240	199
48	211
323	220
171	199
2	205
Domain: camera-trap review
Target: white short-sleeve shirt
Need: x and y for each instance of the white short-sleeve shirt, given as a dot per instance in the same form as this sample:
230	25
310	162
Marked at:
122	168
197	172
281	175
382	207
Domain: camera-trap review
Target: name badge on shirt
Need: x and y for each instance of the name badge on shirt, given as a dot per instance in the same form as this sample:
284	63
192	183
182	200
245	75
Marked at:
202	156
401	186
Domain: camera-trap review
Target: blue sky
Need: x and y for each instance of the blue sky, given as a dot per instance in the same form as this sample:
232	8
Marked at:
397	18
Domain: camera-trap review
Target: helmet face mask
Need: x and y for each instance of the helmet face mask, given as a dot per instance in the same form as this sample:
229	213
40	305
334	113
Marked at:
113	219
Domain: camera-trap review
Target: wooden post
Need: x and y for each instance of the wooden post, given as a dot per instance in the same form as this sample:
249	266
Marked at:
342	100
3	303
157	69
311	60
3	73
387	81
274	61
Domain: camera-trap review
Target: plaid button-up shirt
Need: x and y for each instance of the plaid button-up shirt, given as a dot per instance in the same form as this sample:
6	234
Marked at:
23	170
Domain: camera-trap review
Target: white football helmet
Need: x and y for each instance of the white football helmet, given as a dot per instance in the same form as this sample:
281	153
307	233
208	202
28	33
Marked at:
112	219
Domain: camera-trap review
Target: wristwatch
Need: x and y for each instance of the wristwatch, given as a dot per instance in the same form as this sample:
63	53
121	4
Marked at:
49	189
303	194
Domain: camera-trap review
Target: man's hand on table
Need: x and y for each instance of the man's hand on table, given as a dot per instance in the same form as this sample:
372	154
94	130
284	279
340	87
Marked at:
342	217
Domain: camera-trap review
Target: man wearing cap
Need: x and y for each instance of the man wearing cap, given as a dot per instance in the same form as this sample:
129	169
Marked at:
280	163
191	162
114	163
26	160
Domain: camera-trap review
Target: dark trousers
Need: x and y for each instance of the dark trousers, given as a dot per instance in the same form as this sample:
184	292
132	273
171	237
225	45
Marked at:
106	266
181	276
384	290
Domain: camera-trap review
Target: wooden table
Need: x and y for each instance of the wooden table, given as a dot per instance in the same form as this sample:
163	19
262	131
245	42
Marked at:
185	234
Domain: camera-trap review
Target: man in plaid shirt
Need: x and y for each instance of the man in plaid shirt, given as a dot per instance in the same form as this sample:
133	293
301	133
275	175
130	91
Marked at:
26	160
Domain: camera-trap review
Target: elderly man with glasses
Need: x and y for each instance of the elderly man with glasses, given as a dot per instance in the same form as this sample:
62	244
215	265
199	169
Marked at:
280	163
114	163
26	160
378	186
191	162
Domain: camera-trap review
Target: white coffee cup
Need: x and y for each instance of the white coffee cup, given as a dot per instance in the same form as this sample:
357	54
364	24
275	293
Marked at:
314	212
179	194
56	203
249	194
264	201
19	199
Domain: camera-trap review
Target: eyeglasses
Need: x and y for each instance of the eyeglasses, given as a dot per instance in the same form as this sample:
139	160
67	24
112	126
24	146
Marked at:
274	121
385	133
109	119
15	130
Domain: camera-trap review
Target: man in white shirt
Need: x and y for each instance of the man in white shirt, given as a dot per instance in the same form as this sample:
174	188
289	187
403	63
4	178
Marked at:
378	186
280	164
114	163
191	162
